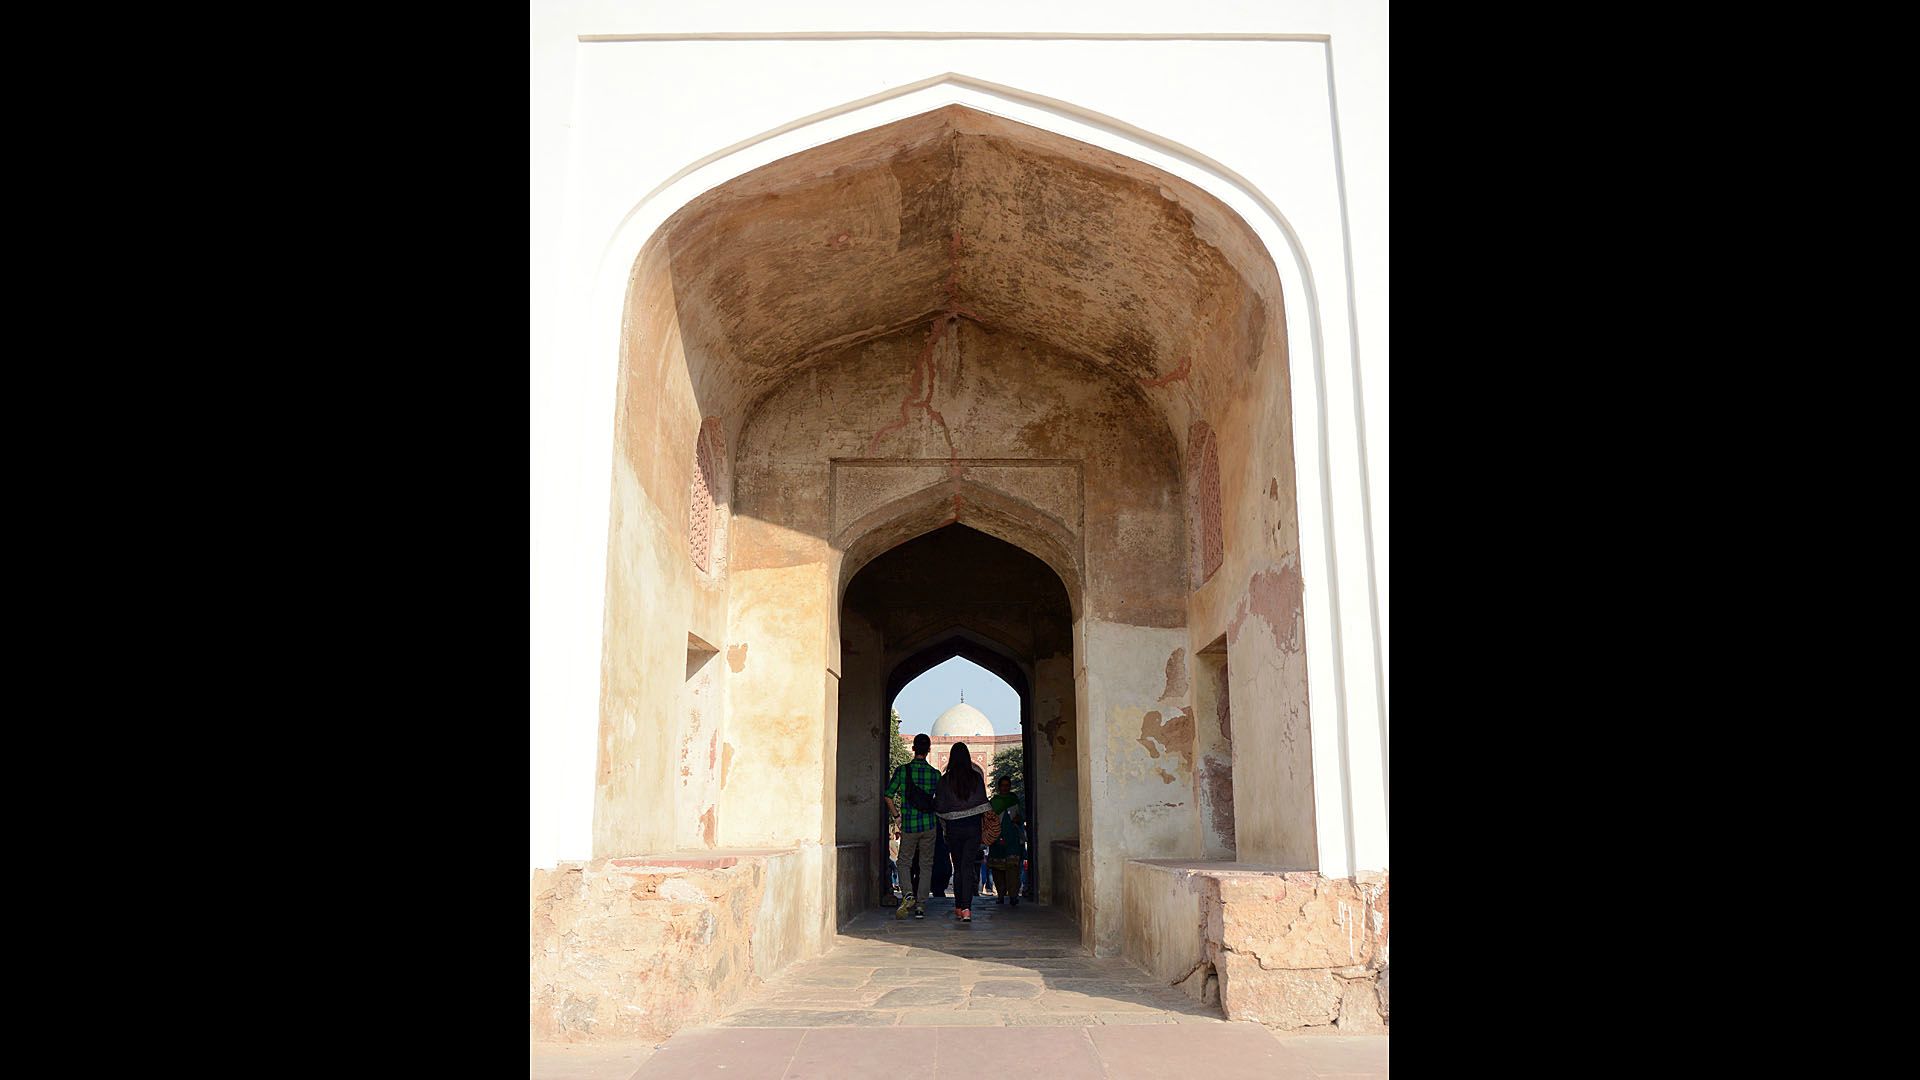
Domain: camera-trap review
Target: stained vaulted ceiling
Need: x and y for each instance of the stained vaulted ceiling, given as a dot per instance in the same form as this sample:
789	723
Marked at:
957	214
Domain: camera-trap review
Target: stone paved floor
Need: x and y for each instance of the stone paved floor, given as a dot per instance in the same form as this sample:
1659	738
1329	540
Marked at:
889	998
1010	967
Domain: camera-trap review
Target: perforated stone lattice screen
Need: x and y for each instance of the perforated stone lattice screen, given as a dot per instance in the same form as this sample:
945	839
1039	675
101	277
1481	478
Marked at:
1209	548
700	512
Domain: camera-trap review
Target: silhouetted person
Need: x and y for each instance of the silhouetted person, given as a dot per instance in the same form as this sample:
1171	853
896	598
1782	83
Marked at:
960	800
913	785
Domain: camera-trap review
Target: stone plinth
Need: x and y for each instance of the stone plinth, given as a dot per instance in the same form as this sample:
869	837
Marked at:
1287	947
638	948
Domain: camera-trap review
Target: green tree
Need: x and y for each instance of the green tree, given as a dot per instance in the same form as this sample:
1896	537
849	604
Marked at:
1010	763
897	752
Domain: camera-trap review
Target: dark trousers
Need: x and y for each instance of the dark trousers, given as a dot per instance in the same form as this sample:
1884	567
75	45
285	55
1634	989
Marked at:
963	839
942	861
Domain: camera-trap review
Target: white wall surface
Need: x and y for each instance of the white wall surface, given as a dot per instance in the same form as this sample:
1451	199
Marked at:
1285	122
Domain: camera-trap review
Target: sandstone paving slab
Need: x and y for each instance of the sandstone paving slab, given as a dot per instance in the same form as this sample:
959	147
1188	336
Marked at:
816	1001
586	1061
979	953
912	976
1133	1018
1230	1052
1055	1053
808	1018
722	1052
1006	988
1340	1055
921	995
849	978
1025	1018
944	1018
848	1052
1055	1001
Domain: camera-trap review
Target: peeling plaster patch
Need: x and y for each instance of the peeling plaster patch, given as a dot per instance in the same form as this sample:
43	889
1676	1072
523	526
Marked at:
737	656
713	747
726	762
708	826
1174	736
1165	776
1176	675
1273	488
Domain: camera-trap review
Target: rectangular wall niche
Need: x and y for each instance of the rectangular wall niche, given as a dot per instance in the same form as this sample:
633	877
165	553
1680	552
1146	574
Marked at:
696	791
1213	742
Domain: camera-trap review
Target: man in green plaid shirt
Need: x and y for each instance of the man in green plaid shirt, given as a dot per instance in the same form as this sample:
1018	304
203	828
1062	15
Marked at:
916	826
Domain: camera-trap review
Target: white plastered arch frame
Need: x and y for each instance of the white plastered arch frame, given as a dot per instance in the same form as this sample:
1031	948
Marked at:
1342	789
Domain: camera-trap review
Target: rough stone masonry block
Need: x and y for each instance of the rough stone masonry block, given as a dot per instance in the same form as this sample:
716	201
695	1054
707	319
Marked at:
1283	998
1294	920
639	952
1359	1006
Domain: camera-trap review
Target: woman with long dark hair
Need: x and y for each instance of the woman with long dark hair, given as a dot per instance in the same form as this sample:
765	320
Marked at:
959	801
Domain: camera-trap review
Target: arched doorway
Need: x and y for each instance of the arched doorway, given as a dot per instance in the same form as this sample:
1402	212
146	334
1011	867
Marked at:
951	320
959	592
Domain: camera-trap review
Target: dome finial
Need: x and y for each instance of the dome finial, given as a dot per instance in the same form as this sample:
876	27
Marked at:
963	697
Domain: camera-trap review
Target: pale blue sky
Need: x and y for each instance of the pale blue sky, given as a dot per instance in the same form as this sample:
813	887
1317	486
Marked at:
938	689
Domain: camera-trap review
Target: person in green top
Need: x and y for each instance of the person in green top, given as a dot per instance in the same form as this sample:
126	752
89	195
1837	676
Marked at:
916	826
1005	854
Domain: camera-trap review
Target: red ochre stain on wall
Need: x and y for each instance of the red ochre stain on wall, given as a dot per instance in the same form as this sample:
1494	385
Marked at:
737	656
708	826
1177	374
1275	596
1217	778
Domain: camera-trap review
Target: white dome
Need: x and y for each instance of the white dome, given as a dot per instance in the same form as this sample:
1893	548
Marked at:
963	720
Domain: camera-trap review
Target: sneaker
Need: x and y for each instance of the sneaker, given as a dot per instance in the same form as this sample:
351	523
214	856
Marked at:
966	915
1016	900
905	906
920	913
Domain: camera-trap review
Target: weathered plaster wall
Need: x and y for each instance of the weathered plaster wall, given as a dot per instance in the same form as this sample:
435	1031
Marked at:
855	883
1067	878
1138	762
661	716
776	782
861	759
1287	948
1256	601
1055	767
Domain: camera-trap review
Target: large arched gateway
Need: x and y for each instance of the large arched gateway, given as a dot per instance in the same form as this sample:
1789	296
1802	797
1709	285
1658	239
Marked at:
954	385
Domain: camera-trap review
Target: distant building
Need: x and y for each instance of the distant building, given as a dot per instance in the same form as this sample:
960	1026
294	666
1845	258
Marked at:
964	724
